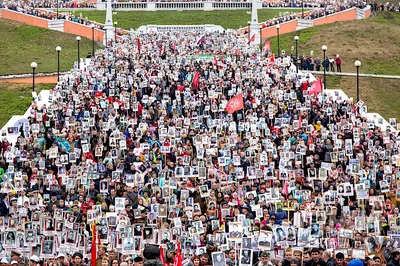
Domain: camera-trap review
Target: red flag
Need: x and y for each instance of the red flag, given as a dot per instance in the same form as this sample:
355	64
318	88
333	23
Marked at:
286	188
267	45
94	246
162	257
215	61
235	104
178	256
316	87
195	80
161	50
271	60
139	45
300	121
252	39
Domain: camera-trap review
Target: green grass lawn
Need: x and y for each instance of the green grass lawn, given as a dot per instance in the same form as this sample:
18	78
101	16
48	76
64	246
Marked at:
229	19
22	44
373	41
18	97
380	95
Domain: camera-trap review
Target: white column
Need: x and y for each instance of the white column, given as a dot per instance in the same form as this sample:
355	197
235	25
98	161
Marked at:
254	29
109	27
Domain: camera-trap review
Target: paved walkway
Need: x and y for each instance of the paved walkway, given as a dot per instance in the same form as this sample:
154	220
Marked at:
352	74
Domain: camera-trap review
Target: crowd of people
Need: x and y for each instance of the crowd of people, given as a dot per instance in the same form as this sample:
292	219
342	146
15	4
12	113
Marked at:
203	143
52	15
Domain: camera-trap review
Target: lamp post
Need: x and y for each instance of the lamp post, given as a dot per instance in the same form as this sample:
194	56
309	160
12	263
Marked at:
57	9
78	39
115	31
324	48
93	39
277	30
248	24
357	64
296	38
33	66
302	9
261	39
58	49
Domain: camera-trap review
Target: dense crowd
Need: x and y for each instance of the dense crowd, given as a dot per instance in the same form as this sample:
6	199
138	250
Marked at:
204	141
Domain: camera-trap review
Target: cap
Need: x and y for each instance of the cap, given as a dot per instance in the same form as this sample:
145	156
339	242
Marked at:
34	258
264	254
14	262
60	256
77	254
151	252
356	262
4	260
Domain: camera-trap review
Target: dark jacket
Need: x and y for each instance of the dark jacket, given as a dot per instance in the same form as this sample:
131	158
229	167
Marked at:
393	262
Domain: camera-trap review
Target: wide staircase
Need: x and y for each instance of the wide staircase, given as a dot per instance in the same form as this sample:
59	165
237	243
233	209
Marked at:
360	13
57	24
304	23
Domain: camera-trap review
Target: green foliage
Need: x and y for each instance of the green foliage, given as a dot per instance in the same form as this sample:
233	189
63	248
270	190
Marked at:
25	44
229	19
18	97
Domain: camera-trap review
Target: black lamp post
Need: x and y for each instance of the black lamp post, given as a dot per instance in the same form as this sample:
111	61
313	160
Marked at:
93	39
115	31
78	39
302	9
261	39
296	38
324	48
58	49
277	30
357	64
33	66
248	24
57	9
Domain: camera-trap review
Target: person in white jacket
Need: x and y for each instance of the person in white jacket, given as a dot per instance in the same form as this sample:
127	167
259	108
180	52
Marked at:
22	199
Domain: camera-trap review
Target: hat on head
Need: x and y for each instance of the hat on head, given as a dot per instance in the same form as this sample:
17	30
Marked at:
356	262
151	252
14	262
77	254
4	260
264	254
60	256
34	258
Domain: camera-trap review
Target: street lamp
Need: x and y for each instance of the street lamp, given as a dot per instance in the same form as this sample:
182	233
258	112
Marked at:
115	31
93	39
58	49
78	39
57	9
33	66
261	39
248	23
277	30
302	9
296	38
357	64
324	48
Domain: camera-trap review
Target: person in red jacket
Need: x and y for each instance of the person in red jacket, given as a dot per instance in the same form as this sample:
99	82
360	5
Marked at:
338	63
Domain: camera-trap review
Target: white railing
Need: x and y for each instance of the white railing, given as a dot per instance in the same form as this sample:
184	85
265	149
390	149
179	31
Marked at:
180	28
154	6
